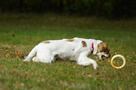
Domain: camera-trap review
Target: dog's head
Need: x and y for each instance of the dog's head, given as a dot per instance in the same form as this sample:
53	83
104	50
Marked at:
103	50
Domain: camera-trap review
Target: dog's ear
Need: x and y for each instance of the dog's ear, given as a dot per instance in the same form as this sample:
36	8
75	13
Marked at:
103	46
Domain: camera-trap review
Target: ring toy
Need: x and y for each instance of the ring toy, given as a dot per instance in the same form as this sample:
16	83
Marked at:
118	67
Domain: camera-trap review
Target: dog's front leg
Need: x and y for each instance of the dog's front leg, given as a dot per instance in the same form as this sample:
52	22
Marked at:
85	61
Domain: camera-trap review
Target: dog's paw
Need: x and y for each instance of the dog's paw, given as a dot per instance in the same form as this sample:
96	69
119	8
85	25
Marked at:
95	66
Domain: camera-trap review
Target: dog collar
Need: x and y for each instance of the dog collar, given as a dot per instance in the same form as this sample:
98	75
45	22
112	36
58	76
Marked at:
92	48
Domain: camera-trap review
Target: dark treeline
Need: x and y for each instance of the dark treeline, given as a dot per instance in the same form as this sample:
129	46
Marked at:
105	8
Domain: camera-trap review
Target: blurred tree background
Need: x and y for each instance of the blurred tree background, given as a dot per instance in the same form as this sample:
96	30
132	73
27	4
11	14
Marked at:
104	8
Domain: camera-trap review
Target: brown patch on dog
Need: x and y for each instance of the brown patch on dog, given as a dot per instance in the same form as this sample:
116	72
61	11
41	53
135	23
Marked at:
70	40
84	44
103	47
46	42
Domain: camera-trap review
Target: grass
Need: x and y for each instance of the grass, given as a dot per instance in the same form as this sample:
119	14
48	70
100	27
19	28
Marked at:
19	33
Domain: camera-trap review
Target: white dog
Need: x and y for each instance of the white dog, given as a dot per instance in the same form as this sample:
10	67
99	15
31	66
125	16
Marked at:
77	49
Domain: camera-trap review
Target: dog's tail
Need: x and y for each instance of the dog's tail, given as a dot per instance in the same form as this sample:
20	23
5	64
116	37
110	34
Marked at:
31	54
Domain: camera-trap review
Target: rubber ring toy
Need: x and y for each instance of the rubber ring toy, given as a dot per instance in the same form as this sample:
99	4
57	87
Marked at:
118	67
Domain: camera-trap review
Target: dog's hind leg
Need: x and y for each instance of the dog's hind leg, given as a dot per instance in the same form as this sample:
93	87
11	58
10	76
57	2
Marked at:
45	56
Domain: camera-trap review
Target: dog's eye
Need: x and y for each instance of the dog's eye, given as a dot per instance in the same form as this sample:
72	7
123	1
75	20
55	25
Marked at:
107	52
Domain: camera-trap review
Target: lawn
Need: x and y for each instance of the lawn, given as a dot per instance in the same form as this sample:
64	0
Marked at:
19	33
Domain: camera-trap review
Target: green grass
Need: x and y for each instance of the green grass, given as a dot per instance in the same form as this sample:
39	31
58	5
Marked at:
20	33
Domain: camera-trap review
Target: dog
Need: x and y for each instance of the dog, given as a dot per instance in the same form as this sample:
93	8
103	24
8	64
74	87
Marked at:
76	49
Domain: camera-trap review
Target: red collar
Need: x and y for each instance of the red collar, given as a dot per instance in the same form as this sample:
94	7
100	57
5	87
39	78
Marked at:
92	48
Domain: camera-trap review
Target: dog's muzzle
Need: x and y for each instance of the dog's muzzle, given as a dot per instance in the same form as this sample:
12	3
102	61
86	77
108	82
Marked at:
102	57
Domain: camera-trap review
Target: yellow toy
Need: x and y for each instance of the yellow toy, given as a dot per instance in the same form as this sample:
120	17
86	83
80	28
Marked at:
119	67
